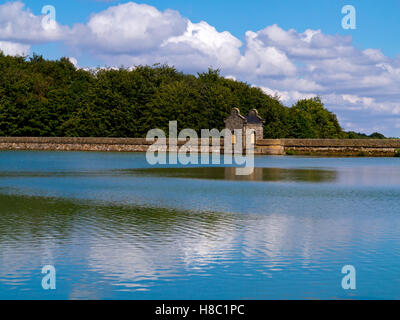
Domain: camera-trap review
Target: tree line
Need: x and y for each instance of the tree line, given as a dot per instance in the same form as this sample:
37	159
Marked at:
40	97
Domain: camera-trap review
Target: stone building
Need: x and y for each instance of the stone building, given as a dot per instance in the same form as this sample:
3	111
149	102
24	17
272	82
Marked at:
253	121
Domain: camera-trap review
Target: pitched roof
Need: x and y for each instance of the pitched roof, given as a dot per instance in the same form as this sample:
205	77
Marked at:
235	112
253	117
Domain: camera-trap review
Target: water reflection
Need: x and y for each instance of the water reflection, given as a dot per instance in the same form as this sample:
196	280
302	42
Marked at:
228	173
102	249
114	230
133	246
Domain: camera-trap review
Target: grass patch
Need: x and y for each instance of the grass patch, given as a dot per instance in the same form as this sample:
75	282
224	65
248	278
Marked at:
290	152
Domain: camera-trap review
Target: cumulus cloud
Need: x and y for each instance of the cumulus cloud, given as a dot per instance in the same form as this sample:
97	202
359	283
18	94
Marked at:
128	28
205	44
289	63
347	78
287	96
14	49
263	60
18	24
74	61
20	28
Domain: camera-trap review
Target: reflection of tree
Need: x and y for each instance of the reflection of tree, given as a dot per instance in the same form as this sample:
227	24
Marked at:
135	246
39	217
32	218
133	243
259	174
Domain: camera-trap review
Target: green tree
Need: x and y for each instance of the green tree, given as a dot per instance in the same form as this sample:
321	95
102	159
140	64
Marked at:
39	97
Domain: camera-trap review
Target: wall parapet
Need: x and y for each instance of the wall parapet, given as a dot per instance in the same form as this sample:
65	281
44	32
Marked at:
364	143
378	147
75	140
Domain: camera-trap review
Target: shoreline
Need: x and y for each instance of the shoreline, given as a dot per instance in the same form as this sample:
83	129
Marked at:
313	147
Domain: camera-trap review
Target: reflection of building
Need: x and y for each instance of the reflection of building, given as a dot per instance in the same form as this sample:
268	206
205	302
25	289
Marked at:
252	121
282	174
256	175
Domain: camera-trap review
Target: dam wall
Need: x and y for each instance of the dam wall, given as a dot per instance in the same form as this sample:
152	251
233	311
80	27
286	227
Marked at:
325	147
345	147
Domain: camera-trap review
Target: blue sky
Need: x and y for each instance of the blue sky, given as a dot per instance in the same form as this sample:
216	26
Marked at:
378	22
295	49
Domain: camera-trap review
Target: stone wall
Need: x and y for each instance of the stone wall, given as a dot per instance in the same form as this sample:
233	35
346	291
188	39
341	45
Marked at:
367	143
269	147
350	147
258	129
341	147
235	120
97	144
74	144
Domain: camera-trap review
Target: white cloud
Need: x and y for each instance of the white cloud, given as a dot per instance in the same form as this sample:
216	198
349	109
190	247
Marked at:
20	28
127	29
74	61
261	60
287	97
14	49
204	41
20	25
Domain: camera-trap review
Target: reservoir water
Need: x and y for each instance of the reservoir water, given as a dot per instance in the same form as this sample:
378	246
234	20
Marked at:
116	228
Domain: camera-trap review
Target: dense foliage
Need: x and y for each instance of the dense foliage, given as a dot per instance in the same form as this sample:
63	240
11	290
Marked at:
53	98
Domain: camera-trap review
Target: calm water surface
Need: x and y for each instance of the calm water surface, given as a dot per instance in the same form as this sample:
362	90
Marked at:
114	227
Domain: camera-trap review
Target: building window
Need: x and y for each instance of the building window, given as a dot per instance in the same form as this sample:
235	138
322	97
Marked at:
253	138
233	138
